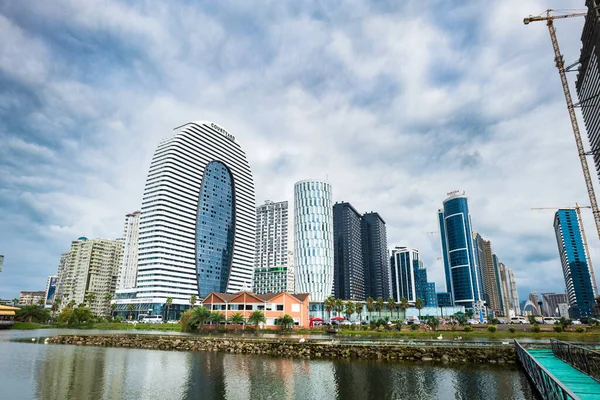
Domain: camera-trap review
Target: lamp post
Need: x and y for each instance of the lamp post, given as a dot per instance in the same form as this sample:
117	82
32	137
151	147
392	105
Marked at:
541	312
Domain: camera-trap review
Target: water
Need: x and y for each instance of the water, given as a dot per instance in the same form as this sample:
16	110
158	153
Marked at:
37	371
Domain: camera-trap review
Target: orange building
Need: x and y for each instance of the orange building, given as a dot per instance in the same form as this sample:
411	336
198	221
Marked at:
273	305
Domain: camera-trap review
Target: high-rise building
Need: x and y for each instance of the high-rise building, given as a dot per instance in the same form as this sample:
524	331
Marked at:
491	282
271	235
375	256
505	290
498	285
462	277
197	223
409	278
514	295
274	280
313	239
349	277
551	302
444	299
588	78
91	270
574	263
129	262
64	258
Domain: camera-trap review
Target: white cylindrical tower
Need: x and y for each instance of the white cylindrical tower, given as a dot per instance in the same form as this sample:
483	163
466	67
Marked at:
313	239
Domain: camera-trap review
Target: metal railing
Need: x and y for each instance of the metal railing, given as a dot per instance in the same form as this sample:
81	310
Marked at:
585	360
546	384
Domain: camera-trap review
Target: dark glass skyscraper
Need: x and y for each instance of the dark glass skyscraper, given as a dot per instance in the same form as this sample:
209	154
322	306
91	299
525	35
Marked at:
574	263
462	277
375	256
348	278
409	278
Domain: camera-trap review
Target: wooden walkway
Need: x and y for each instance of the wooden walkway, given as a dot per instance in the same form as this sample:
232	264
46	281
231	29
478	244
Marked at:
579	383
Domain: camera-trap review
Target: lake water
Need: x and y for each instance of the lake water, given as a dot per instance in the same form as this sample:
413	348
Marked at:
32	370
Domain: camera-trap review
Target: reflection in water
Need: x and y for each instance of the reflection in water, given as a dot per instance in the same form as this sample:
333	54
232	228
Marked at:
70	372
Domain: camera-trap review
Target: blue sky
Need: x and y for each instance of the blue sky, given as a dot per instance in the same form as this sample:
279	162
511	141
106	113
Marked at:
396	103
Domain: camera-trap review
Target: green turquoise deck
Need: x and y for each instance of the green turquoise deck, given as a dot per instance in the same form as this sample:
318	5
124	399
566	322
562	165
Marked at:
577	382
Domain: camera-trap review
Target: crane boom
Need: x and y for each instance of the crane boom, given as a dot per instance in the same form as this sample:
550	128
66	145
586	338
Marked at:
560	64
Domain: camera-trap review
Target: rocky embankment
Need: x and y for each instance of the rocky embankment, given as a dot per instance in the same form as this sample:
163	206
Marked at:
313	349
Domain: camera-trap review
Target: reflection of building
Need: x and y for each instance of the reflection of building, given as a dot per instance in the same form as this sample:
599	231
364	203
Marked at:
462	277
313	239
51	289
550	302
27	298
272	305
349	269
90	272
574	263
129	262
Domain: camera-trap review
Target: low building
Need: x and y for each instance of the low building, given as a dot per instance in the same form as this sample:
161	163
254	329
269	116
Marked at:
27	297
7	316
273	280
273	306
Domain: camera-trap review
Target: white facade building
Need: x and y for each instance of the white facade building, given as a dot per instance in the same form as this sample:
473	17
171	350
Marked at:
313	239
197	224
514	296
128	267
271	235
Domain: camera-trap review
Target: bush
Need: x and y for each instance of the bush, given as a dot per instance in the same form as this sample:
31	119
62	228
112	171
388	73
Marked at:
414	327
118	319
492	328
579	330
468	328
558	328
536	328
512	329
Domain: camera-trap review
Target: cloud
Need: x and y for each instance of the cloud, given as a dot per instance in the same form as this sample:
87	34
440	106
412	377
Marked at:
394	104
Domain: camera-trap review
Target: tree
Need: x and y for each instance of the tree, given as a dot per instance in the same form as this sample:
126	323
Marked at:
32	313
90	298
358	308
236	319
286	322
564	322
339	306
419	305
198	316
217	318
113	307
15	301
193	300
256	318
71	304
531	319
434	322
41	302
329	305
379	306
391	303
349	309
370	306
54	309
131	307
404	305
168	303
107	298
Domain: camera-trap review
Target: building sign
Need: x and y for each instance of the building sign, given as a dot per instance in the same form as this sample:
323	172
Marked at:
453	192
222	131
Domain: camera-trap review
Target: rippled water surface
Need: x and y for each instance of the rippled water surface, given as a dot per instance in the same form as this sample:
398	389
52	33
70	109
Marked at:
38	371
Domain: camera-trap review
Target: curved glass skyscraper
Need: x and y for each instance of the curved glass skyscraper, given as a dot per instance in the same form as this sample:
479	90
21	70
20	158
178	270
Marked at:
198	218
462	279
313	239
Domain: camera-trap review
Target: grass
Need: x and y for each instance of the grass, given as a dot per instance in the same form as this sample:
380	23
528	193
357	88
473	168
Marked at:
29	325
102	326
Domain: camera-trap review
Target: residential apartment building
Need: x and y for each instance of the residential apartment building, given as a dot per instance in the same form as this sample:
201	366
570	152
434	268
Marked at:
349	266
272	305
574	263
273	279
129	262
375	256
409	278
28	297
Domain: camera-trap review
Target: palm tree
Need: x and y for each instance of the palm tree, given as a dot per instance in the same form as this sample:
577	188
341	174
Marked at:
391	303
168	303
41	302
54	309
358	308
404	305
370	306
216	317
107	298
339	306
200	316
193	300
89	298
349	309
71	304
236	319
131	307
286	322
329	305
113	307
15	301
419	305
379	306
256	318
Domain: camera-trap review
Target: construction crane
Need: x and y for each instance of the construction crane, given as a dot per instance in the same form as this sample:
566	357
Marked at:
585	244
560	64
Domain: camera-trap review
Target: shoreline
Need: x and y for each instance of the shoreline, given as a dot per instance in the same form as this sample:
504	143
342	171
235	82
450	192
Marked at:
447	352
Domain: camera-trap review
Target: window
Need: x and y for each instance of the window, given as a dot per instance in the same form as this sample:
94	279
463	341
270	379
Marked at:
279	307
295	307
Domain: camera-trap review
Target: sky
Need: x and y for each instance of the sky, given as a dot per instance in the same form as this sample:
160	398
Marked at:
394	103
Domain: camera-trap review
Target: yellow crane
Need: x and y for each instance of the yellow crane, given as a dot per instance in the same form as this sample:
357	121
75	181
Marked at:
585	244
549	16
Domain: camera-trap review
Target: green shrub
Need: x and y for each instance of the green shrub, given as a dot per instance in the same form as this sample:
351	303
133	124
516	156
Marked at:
468	328
536	328
558	328
414	327
492	328
512	329
579	329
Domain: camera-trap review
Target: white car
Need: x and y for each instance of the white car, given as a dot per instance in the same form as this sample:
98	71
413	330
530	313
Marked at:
153	319
518	320
576	322
345	322
472	322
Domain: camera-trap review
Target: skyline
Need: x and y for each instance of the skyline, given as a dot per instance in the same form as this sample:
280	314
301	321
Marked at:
88	103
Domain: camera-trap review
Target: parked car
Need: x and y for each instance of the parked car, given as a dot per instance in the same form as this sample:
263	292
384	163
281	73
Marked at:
549	320
173	321
412	321
576	322
502	322
518	320
131	321
472	322
345	322
153	319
